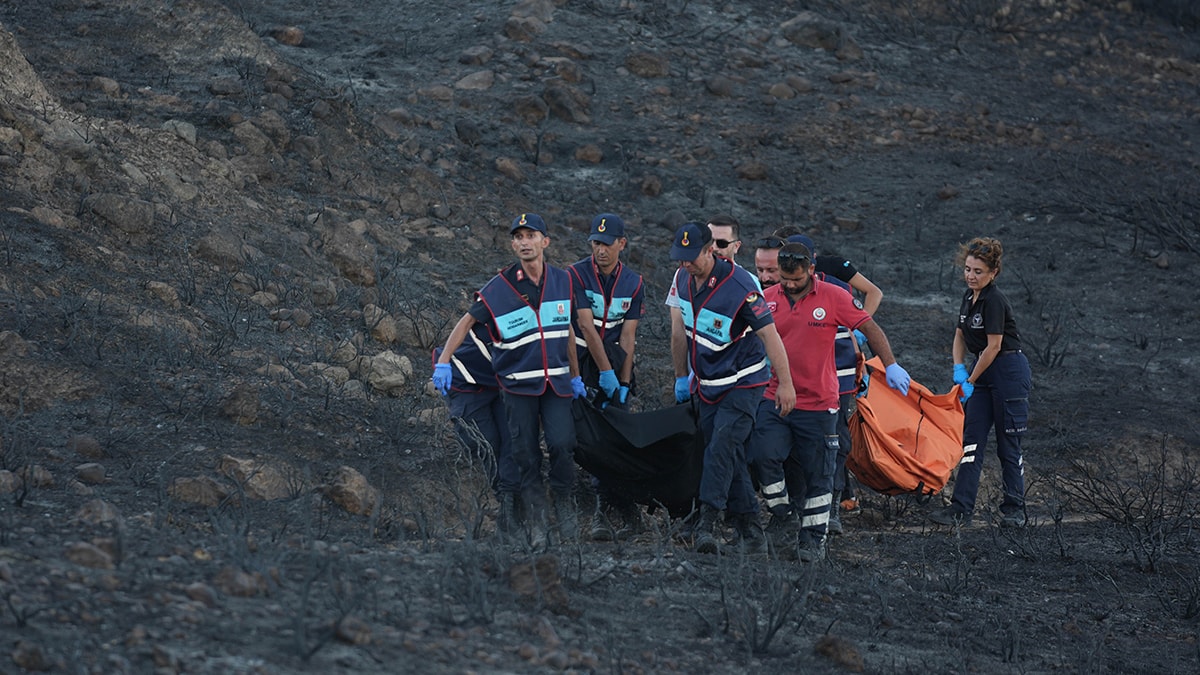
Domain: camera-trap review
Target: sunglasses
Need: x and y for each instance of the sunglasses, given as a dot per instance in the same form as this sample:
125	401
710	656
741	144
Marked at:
794	258
770	242
723	243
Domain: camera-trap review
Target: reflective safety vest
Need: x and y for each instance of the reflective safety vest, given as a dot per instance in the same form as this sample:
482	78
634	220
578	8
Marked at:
608	313
529	346
845	356
471	363
724	352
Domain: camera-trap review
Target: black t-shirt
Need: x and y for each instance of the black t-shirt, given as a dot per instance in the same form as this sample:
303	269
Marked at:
990	315
836	267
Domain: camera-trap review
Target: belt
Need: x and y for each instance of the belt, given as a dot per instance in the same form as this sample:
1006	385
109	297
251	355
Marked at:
1009	351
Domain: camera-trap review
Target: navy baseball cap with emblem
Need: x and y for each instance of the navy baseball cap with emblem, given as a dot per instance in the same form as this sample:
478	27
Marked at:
803	239
689	239
531	221
607	228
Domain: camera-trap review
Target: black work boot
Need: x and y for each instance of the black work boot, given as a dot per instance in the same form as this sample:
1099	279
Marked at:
750	533
834	526
812	546
628	520
705	541
567	517
602	529
507	523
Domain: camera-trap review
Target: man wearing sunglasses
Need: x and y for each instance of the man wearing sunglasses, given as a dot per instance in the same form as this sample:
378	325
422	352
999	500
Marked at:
728	335
808	313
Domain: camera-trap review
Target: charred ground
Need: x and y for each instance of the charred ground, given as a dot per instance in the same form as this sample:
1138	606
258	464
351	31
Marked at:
226	247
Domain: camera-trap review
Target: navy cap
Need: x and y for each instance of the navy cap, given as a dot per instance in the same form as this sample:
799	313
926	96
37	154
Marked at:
689	239
529	220
607	228
803	239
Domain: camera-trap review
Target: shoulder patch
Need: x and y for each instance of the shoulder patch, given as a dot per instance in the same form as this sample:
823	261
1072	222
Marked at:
752	297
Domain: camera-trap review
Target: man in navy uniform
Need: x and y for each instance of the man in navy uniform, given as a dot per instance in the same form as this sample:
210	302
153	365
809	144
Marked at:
477	411
729	335
608	297
527	310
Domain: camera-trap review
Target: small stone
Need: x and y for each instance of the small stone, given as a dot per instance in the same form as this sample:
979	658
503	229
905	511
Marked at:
202	593
291	36
85	446
91	473
88	555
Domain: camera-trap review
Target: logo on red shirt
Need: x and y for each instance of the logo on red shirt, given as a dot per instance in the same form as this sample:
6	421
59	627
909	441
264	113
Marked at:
819	313
772	306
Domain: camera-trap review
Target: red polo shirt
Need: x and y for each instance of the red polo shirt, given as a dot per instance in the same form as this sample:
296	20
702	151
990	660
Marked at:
808	329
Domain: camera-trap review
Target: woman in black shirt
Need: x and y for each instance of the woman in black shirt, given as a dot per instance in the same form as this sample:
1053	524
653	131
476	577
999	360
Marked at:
995	389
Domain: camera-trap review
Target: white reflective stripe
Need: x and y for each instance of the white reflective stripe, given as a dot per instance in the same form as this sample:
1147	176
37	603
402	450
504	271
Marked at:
532	337
818	501
712	346
705	342
531	374
775	488
846	371
842	335
968	459
970	449
481	345
777	501
580	342
816	519
732	379
462	369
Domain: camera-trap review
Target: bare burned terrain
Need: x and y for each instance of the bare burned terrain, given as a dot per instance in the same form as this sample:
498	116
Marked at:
231	231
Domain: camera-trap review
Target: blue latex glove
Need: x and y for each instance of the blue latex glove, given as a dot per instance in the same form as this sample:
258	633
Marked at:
897	378
967	390
682	389
960	373
578	389
608	382
442	377
623	394
862	339
866	383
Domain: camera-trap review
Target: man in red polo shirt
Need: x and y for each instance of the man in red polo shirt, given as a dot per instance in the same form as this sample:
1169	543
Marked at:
807	313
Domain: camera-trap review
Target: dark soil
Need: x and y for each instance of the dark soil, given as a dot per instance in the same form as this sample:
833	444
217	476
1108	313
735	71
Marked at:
206	215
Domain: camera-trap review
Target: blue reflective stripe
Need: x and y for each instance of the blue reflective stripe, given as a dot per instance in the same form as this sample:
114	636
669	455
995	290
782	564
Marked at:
554	314
715	325
597	302
516	323
685	308
618	308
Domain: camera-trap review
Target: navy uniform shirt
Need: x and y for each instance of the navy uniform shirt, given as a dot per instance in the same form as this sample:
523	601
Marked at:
754	311
529	291
990	315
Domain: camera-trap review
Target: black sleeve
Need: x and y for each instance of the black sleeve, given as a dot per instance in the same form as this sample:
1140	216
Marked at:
837	267
480	312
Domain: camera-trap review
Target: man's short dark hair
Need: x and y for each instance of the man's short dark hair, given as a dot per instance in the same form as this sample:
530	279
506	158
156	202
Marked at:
726	220
794	257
